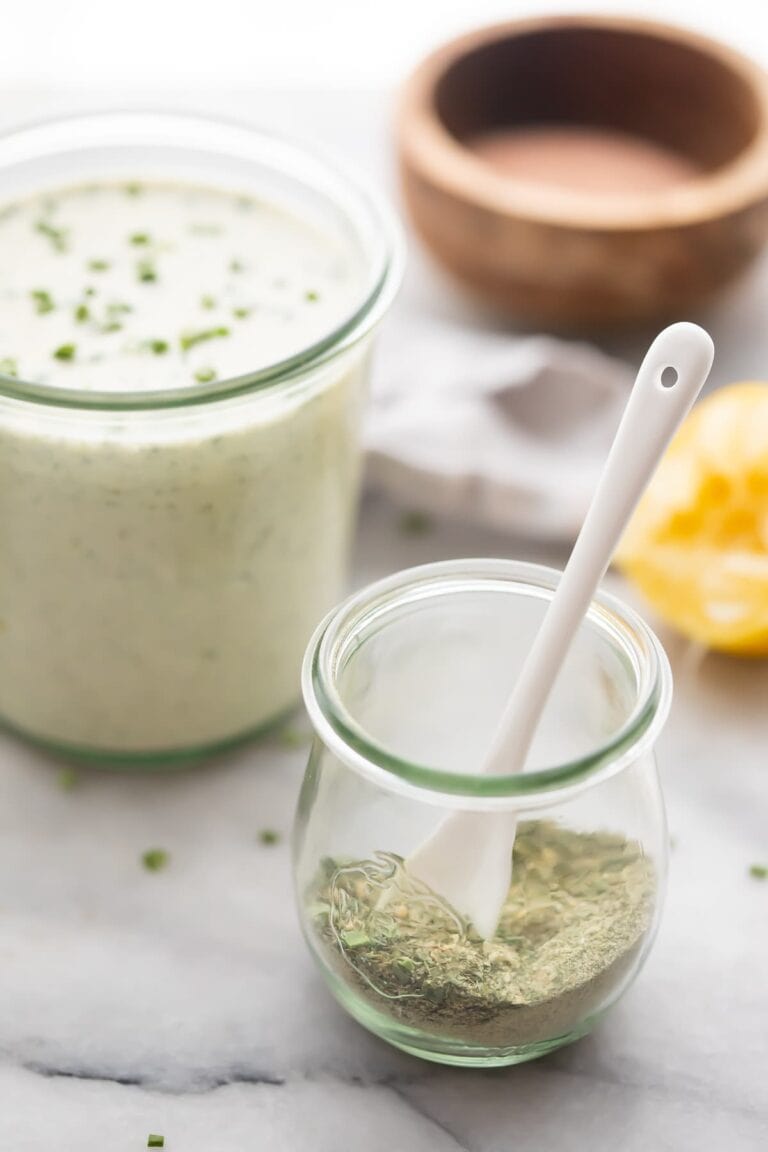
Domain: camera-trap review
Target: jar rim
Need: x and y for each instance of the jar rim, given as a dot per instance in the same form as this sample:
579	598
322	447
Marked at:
281	155
341	733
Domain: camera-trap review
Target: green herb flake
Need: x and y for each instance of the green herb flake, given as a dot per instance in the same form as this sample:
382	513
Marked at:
89	291
758	871
99	265
208	302
205	229
292	737
353	938
269	837
241	313
312	297
82	313
140	239
190	339
111	326
43	301
205	375
154	859
9	367
146	272
236	266
155	1141
67	779
133	189
414	523
65	352
158	347
57	236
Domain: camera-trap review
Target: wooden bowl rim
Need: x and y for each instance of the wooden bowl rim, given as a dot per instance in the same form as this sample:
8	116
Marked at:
428	149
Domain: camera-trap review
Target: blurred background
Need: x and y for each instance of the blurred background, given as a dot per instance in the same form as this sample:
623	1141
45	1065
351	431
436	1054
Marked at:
164	44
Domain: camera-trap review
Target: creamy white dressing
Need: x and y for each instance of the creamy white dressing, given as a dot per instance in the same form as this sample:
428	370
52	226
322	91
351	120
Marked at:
161	571
152	286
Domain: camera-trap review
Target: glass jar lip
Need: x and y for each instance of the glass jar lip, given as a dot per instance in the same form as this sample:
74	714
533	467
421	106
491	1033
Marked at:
283	155
338	729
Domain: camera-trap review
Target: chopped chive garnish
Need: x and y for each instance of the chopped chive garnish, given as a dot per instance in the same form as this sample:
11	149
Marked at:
89	291
98	265
117	308
205	375
57	236
43	301
158	347
241	313
140	238
190	339
67	779
155	1141
146	272
133	189
758	871
236	266
312	297
414	523
269	837
208	302
65	352
205	229
154	859
9	367
292	737
82	313
111	326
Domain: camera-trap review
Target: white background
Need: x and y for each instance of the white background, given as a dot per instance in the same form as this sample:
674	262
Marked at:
168	44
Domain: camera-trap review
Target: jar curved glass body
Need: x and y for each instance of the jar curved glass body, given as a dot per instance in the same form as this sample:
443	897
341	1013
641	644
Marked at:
164	556
404	685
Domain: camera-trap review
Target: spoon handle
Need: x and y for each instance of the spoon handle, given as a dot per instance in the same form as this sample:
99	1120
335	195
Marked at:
670	378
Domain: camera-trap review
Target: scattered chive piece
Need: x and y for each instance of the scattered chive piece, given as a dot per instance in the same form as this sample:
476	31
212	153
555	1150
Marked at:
146	271
89	291
312	297
241	313
207	301
65	352
43	300
9	367
291	737
133	189
205	375
236	266
117	308
205	229
111	326
190	339
82	313
139	238
269	837
414	523
67	779
57	236
98	265
159	347
758	871
155	1141
154	859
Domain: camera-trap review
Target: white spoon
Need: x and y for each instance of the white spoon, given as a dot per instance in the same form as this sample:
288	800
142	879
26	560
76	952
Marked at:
468	859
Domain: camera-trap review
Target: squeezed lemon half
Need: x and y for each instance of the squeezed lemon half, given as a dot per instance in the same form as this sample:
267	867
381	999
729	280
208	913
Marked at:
697	546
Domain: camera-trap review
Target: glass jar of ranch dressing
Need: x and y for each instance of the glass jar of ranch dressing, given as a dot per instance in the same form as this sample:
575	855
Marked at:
186	314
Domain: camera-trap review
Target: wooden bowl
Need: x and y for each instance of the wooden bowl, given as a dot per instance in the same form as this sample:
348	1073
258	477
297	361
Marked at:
563	258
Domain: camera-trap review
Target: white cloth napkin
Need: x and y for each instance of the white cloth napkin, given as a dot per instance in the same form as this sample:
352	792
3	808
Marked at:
507	431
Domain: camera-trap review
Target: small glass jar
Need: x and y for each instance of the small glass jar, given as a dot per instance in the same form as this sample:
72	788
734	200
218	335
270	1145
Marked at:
405	684
166	554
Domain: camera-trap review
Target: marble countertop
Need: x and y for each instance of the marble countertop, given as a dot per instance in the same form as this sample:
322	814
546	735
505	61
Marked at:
183	1001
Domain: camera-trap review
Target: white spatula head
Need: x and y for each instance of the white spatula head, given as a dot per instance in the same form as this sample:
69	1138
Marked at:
468	859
